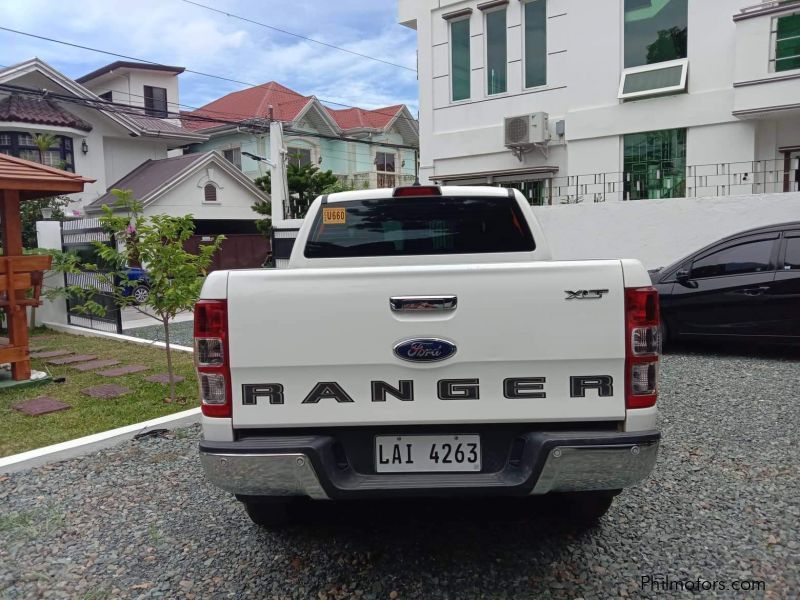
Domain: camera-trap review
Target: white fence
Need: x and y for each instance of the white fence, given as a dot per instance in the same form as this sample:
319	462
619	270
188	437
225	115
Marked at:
657	231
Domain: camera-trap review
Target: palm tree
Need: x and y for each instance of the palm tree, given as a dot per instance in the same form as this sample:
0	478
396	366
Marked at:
44	141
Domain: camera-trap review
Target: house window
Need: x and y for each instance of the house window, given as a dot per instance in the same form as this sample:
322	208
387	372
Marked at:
655	31
210	192
299	157
786	33
655	164
155	101
535	43
459	59
233	156
23	145
496	55
385	167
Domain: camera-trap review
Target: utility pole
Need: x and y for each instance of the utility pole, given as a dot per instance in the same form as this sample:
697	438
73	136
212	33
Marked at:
279	189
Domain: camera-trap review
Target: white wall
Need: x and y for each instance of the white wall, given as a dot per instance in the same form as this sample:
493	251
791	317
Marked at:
127	86
657	232
234	201
585	59
48	236
122	156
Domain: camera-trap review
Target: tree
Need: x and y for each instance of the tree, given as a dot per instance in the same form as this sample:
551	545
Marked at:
264	207
31	211
175	276
305	182
44	141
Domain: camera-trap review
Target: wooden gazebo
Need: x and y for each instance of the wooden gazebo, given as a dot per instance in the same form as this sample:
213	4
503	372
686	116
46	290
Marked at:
21	276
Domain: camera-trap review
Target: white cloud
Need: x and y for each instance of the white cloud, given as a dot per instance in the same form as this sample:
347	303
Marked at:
174	32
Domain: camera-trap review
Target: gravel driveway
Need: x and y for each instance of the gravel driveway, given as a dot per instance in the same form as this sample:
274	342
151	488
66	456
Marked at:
723	505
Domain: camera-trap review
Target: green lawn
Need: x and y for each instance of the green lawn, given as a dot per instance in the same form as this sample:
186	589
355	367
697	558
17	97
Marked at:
20	432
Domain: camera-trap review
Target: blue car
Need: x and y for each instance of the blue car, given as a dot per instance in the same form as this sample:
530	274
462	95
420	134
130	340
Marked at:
139	287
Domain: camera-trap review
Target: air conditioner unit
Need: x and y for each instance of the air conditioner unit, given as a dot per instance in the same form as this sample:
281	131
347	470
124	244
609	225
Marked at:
527	130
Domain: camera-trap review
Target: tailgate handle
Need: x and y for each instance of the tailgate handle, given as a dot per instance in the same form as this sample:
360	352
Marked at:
423	303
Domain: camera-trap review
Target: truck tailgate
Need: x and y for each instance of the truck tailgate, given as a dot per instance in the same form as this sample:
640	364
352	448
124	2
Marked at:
299	327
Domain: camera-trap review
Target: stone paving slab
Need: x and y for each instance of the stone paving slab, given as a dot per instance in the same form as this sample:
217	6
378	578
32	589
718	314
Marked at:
95	364
74	358
50	353
41	406
106	391
164	378
123	370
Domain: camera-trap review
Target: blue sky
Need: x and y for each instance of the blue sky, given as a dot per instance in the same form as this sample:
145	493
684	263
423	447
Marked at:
176	33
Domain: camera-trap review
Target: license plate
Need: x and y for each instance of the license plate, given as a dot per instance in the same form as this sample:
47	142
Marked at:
427	453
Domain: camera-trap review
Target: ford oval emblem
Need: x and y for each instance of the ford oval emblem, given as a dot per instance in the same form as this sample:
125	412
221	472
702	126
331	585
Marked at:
424	350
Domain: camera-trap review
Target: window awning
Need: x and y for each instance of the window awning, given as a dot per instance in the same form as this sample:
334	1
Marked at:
488	177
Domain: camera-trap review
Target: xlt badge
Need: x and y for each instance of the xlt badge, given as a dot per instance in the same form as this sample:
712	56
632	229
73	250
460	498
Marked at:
585	294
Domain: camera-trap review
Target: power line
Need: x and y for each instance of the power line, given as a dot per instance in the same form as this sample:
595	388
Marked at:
118	108
201	73
302	37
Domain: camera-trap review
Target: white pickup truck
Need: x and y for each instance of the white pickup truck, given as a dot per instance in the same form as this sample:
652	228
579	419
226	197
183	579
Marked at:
423	343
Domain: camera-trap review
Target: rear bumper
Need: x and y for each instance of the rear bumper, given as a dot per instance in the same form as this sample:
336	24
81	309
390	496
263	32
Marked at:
548	462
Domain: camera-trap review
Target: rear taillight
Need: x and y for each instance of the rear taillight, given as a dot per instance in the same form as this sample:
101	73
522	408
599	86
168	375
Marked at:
642	345
211	357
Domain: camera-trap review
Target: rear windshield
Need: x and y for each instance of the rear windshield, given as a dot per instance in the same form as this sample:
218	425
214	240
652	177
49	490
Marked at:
412	226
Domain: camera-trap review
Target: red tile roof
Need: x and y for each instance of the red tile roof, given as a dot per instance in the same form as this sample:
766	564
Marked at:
286	105
352	118
42	111
251	103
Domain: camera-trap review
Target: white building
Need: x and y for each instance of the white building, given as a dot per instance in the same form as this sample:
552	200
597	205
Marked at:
645	98
93	138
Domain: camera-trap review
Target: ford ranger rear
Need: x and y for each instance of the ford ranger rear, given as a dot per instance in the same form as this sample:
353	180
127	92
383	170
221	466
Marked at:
423	343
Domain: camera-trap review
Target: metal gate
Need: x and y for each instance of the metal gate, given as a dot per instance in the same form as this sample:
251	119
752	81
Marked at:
282	242
79	237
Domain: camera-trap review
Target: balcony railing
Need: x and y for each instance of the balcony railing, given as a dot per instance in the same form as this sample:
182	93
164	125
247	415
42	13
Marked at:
371	180
709	180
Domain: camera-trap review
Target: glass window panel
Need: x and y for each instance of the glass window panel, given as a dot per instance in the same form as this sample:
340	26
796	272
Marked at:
536	43
788	26
652	80
25	139
655	164
792	260
752	257
418	226
52	158
655	31
459	41
233	156
787	63
788	47
496	51
299	156
155	101
384	161
5	139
